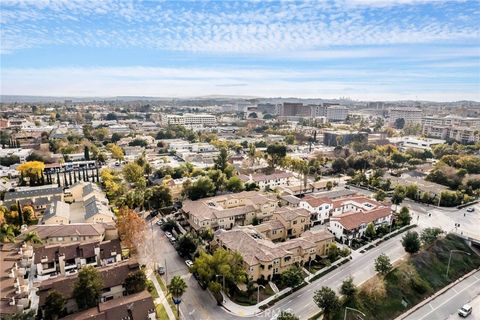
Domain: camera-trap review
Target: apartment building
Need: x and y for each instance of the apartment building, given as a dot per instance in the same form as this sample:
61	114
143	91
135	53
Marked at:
38	197
415	143
113	279
353	224
272	181
263	258
89	205
285	223
227	211
318	207
458	133
137	306
68	233
67	259
336	113
22	154
451	120
189	120
17	293
410	115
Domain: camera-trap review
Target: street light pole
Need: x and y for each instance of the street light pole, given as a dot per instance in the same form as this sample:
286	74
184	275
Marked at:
223	280
450	259
356	310
258	292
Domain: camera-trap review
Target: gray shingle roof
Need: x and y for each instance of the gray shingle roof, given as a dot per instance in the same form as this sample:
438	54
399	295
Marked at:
33	193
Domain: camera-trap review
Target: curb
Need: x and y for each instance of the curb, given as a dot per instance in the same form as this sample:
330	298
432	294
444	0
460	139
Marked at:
436	294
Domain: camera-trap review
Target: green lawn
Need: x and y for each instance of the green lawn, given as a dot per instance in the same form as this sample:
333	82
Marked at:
414	280
249	299
161	313
167	294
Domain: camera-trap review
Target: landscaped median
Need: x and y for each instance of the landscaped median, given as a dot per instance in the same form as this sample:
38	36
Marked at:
413	280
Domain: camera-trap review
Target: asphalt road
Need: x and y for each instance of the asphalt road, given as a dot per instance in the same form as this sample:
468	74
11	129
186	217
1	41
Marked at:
445	306
199	304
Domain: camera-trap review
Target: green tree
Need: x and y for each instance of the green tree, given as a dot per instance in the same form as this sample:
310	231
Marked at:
382	264
7	233
339	165
404	217
292	277
177	288
429	235
88	287
411	242
54	306
276	153
234	184
221	262
159	197
370	232
399	123
380	195
86	153
221	161
285	315
333	252
135	282
329	185
348	290
134	174
201	188
327	300
186	245
32	238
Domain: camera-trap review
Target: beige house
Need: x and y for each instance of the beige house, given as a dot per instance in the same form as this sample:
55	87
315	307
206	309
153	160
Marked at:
84	203
77	232
263	258
227	211
295	221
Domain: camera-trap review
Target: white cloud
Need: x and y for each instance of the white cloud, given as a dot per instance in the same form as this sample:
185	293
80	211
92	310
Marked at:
246	27
143	81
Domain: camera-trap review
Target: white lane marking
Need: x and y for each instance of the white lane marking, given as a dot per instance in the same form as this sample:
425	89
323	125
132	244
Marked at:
449	299
431	306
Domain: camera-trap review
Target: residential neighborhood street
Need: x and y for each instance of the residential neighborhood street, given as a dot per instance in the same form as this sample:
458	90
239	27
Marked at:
198	304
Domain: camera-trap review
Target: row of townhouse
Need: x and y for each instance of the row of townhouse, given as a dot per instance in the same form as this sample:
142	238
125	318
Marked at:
66	259
263	258
227	211
347	217
272	181
16	294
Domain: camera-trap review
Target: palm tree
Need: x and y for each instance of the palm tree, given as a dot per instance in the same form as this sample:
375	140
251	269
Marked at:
7	233
177	288
32	238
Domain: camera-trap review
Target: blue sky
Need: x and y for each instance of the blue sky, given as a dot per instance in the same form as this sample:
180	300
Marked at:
361	49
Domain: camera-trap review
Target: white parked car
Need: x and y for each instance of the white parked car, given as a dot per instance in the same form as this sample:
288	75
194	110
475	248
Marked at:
465	311
168	234
189	263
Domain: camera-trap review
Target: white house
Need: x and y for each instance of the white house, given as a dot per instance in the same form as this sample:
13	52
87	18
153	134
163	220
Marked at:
319	208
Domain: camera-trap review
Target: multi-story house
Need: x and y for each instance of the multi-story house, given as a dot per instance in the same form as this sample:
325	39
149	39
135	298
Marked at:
263	258
89	205
66	259
268	181
76	232
351	225
318	207
113	280
227	211
17	293
38	197
286	223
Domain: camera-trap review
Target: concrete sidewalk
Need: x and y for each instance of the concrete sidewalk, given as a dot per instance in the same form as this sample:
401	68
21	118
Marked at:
161	296
248	311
